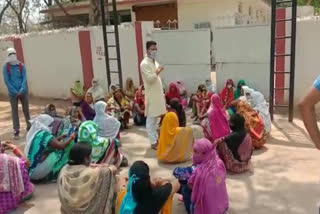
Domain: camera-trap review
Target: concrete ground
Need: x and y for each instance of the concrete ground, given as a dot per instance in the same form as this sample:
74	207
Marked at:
285	178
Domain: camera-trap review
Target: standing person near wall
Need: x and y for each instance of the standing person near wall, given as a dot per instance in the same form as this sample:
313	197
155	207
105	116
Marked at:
14	75
154	96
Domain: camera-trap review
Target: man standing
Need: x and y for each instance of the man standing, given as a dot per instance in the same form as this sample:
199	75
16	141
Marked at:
14	75
154	97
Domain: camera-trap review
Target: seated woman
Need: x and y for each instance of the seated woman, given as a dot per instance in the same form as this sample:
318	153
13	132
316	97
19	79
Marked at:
215	123
207	104
83	188
237	93
15	185
77	93
89	100
112	89
130	90
103	150
253	122
177	108
139	106
227	94
46	154
195	99
183	94
145	195
236	149
77	98
199	102
120	108
50	110
173	93
71	123
96	91
259	104
109	127
208	180
175	143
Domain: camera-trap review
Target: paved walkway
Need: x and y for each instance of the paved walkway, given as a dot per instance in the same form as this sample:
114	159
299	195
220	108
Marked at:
284	181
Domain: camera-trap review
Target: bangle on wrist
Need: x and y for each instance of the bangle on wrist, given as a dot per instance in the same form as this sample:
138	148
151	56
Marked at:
16	151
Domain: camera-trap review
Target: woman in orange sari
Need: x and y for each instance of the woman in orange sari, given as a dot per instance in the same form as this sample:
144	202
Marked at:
253	123
175	143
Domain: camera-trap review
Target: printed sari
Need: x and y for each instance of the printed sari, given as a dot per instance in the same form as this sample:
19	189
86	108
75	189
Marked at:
15	185
45	162
175	143
232	164
86	190
254	124
49	168
103	150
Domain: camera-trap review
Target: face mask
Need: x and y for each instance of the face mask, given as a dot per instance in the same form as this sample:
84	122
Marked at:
12	58
229	86
197	159
153	54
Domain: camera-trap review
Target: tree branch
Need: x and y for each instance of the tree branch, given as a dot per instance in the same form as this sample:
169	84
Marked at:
20	20
67	14
4	10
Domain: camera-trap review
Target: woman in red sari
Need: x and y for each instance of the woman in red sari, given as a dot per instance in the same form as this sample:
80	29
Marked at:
227	94
138	108
173	93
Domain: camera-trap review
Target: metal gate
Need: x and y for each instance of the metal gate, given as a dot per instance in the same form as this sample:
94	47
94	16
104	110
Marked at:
106	20
273	72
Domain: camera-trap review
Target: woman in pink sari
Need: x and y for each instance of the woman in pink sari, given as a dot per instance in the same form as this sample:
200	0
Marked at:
15	185
183	94
216	124
236	149
208	180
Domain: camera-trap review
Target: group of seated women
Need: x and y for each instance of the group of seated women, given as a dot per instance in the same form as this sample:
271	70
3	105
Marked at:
87	187
197	184
242	100
81	150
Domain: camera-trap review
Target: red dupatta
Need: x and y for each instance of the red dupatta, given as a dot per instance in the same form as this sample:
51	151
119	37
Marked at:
227	94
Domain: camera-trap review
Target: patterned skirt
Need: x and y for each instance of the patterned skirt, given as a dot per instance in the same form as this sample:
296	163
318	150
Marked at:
232	164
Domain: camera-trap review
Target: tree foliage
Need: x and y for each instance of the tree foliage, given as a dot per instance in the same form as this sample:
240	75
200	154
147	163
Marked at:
314	3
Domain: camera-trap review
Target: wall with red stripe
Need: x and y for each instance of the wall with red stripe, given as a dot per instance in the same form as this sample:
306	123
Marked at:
56	59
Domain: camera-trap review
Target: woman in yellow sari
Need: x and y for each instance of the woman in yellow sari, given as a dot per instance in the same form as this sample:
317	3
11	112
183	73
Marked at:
175	143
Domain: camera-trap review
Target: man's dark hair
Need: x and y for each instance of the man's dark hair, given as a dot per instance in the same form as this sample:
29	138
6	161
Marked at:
150	43
79	152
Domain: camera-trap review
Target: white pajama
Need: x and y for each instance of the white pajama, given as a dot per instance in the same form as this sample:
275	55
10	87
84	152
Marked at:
152	123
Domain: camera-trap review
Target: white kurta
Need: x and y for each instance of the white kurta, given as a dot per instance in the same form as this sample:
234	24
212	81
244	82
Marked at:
154	97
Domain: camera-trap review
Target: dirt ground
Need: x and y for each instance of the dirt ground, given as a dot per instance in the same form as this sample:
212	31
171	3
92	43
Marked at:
285	178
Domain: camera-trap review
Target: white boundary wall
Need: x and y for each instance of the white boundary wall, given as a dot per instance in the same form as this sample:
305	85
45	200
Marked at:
243	53
185	56
53	59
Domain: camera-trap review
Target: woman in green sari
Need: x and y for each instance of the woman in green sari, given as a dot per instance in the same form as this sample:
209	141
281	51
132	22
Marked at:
237	93
103	150
47	155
